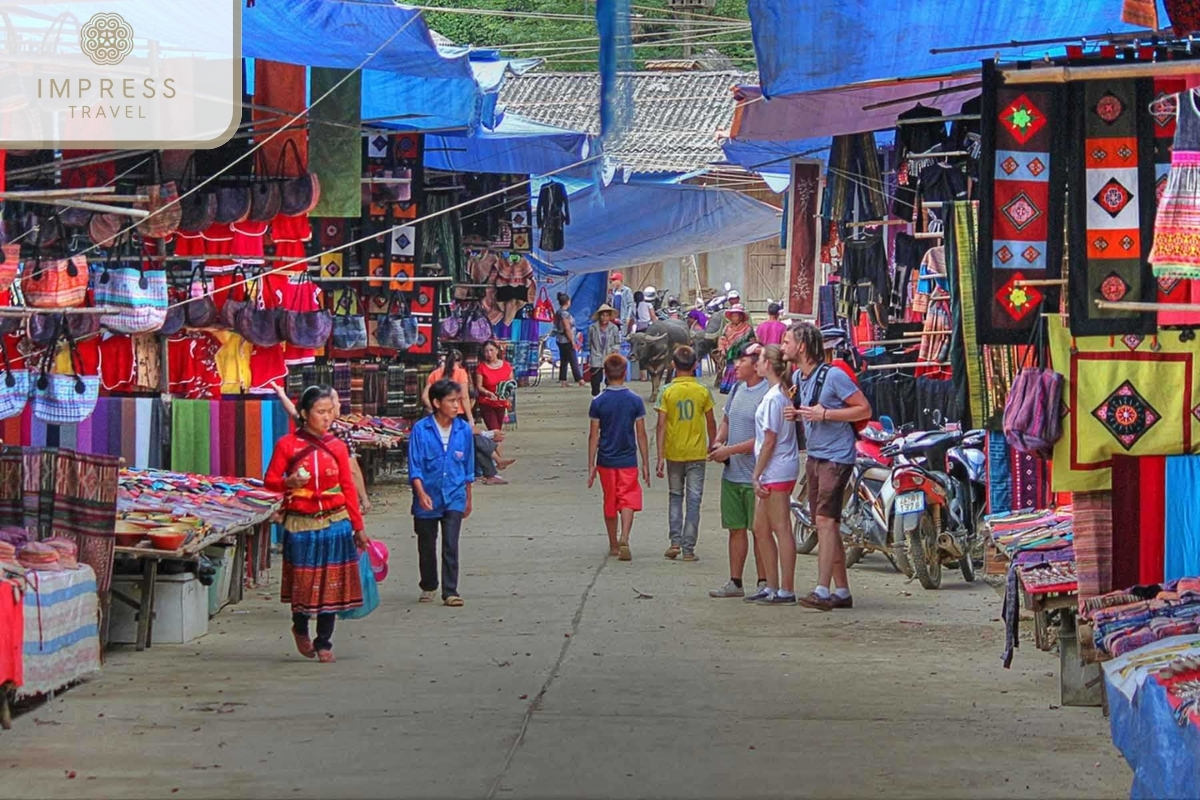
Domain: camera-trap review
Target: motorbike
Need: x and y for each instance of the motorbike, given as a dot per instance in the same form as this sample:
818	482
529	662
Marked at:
938	501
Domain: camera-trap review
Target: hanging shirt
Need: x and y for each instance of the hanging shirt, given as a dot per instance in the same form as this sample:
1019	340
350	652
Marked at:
553	212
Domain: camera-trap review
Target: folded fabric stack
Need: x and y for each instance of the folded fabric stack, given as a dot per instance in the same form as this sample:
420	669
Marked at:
1036	533
8	553
39	556
14	536
1126	620
374	432
225	504
1049	576
67	550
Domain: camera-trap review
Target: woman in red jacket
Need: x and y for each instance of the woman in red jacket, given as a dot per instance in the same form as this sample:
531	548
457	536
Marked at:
322	521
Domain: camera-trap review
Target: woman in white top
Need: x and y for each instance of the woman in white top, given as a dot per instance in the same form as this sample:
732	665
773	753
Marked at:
776	468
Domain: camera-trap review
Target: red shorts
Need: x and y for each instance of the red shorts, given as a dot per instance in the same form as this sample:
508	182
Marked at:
621	490
787	487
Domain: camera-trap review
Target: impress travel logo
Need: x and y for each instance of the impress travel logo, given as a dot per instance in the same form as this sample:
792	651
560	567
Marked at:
144	73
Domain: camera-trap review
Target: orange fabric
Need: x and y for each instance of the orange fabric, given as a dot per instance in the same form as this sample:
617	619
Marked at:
281	87
252	425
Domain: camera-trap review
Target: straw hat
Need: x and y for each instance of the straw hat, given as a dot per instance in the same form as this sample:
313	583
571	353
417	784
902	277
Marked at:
603	308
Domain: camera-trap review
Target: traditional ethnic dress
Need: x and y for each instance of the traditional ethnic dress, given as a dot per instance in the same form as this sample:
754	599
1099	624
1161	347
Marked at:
735	339
1176	250
320	560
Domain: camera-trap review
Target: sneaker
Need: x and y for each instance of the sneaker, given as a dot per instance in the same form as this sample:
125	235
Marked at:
672	552
759	594
841	602
775	599
812	600
730	589
690	557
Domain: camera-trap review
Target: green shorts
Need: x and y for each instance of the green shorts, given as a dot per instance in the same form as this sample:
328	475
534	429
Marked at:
737	506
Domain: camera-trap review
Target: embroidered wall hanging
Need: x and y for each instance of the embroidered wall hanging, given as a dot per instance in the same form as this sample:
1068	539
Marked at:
1112	217
1132	397
1162	114
1022	191
802	248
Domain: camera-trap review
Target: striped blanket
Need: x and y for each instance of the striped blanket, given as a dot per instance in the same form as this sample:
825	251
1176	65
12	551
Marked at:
62	642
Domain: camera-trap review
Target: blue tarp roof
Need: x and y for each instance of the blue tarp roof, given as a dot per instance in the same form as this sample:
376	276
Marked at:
413	80
517	145
625	224
804	45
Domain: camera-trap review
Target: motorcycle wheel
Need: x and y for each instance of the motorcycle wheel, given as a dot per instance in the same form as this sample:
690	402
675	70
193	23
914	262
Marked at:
899	560
854	555
804	534
922	553
967	565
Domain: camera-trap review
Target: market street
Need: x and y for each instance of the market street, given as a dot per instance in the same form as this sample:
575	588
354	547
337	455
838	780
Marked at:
558	679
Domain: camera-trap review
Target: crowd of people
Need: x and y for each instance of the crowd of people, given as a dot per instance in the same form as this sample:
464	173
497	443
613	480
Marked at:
783	400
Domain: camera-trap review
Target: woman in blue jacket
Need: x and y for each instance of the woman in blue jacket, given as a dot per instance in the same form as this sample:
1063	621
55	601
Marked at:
441	469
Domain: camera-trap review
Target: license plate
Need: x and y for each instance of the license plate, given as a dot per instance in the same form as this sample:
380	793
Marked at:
910	503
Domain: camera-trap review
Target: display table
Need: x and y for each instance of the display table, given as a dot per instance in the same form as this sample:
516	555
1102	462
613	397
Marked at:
1154	727
62	635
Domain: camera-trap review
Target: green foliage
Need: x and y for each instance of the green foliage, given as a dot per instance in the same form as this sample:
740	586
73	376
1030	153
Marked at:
569	45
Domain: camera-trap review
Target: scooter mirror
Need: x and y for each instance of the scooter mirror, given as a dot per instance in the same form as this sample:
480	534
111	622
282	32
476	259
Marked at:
887	424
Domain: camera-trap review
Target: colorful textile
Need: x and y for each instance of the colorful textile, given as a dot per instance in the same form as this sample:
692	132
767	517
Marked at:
1162	112
1137	398
12	634
335	151
963	267
1030	483
226	437
1112	174
62	639
320	570
802	249
1139	502
1022	191
128	427
1093	542
1000	480
1176	251
1182	534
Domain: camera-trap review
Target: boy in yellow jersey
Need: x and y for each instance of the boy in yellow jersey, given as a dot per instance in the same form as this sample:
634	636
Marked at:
686	428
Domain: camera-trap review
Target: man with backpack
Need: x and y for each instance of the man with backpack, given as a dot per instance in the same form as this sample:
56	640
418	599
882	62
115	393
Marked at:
827	403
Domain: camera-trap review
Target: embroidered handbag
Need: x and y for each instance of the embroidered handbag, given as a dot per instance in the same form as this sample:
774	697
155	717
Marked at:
231	309
452	326
103	229
198	208
393	330
64	399
14	388
258	324
265	196
479	330
349	330
201	309
299	195
8	268
163	205
308	329
544	310
55	283
139	293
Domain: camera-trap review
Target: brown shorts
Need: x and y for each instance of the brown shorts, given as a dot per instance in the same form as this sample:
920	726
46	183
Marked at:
826	487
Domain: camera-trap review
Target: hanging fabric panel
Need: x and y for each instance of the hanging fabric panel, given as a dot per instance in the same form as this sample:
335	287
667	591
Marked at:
1182	536
335	151
282	87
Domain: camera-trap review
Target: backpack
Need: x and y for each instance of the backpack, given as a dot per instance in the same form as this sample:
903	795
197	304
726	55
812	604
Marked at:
1032	423
797	401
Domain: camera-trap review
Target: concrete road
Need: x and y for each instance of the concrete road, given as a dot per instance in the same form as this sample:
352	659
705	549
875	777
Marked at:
556	680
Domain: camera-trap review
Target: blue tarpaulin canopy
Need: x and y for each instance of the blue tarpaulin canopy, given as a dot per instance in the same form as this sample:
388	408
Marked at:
412	82
804	45
516	146
625	224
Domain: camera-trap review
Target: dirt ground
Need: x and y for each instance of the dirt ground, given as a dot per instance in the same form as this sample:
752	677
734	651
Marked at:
557	680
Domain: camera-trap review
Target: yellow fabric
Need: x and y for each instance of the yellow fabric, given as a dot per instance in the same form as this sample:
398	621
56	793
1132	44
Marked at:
298	523
1163	419
686	403
233	362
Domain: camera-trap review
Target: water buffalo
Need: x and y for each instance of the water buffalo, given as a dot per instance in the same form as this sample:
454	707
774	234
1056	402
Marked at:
705	343
654	347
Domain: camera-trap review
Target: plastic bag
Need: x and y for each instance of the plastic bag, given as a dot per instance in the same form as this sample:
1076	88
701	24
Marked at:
370	589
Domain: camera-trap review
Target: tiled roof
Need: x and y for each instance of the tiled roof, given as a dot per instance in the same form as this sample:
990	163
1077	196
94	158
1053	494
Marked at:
676	115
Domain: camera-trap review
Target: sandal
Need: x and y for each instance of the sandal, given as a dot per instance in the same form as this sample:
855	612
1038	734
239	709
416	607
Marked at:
624	553
427	597
325	656
454	601
304	645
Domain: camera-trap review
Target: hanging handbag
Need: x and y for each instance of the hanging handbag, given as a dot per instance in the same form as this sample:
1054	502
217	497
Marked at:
265	196
176	317
43	328
139	293
543	311
349	329
14	388
55	283
8	268
258	324
301	194
201	309
231	309
163	204
103	229
479	330
44	231
393	329
307	329
198	208
452	326
233	204
64	399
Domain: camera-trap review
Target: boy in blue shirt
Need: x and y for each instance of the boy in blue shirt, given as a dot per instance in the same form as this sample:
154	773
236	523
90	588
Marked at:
441	469
618	434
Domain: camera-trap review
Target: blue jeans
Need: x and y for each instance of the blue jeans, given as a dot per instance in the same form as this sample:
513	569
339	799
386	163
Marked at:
685	477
